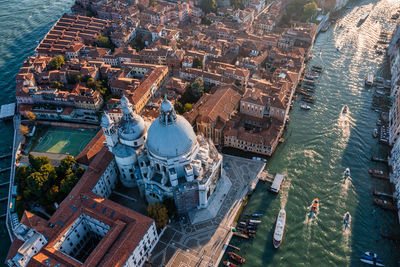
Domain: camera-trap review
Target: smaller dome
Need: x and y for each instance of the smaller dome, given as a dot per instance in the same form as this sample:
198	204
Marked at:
123	151
132	126
106	121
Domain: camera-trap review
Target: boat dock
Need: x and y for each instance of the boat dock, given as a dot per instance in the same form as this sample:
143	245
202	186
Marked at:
381	194
7	111
275	181
377	159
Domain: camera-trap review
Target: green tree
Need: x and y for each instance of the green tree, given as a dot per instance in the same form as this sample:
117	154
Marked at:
53	195
68	182
187	107
196	89
65	164
31	116
75	78
138	43
208	6
104	41
178	107
159	213
57	85
309	10
37	183
48	171
37	162
56	62
154	3
197	63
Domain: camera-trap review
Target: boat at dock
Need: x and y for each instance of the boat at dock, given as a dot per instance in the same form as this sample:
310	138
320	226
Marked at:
381	194
242	235
371	258
305	107
257	215
378	174
347	220
377	159
369	80
279	228
236	257
347	173
276	183
362	19
308	99
384	204
229	264
311	76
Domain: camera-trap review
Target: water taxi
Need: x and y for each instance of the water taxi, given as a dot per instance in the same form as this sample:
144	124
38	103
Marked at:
305	107
279	228
236	257
375	133
257	215
347	173
314	207
345	109
384	204
346	220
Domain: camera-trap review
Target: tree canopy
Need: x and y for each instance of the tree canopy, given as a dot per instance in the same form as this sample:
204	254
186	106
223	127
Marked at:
56	62
43	183
196	89
197	63
208	6
104	41
159	213
309	10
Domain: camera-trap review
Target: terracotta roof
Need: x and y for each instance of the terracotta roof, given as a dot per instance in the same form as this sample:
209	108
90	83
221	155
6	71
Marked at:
91	150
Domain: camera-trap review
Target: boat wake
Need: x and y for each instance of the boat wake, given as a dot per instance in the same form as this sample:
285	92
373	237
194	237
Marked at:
284	194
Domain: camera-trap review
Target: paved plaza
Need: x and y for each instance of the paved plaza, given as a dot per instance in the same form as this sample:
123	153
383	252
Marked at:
200	243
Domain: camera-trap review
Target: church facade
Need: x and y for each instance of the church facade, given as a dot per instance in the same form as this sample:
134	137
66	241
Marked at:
164	160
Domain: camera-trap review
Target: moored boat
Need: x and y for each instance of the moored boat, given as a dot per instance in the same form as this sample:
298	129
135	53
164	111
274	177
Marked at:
236	257
305	107
257	215
371	258
229	264
369	80
384	204
279	228
378	174
346	173
346	220
362	19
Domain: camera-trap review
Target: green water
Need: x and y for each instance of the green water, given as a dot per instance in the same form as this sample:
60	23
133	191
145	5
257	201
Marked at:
320	144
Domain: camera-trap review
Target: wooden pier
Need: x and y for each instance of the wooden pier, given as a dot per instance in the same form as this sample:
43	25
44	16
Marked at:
381	194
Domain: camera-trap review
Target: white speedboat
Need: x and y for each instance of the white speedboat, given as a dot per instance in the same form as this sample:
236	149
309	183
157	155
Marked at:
279	228
347	173
305	107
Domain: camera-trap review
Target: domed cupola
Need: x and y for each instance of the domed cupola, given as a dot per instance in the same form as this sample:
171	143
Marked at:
170	135
106	121
131	126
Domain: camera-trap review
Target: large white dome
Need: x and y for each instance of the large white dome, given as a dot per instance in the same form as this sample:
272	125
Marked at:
170	135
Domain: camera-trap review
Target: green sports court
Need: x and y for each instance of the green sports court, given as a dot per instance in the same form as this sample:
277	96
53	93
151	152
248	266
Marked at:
64	140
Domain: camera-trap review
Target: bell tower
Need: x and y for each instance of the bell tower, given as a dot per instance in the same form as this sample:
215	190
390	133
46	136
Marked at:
109	131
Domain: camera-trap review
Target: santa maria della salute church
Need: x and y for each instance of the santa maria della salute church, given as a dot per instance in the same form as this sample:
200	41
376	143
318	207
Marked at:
164	160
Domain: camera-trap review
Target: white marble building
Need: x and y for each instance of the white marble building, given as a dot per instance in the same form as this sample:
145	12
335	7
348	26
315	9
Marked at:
166	161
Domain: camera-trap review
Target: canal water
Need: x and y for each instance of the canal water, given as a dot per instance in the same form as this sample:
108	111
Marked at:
22	24
319	145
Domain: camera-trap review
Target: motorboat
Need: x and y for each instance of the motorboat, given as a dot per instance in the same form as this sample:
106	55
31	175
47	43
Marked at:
314	207
257	215
371	258
378	174
229	264
347	173
254	222
236	257
279	228
384	204
375	133
346	220
362	19
305	107
345	109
